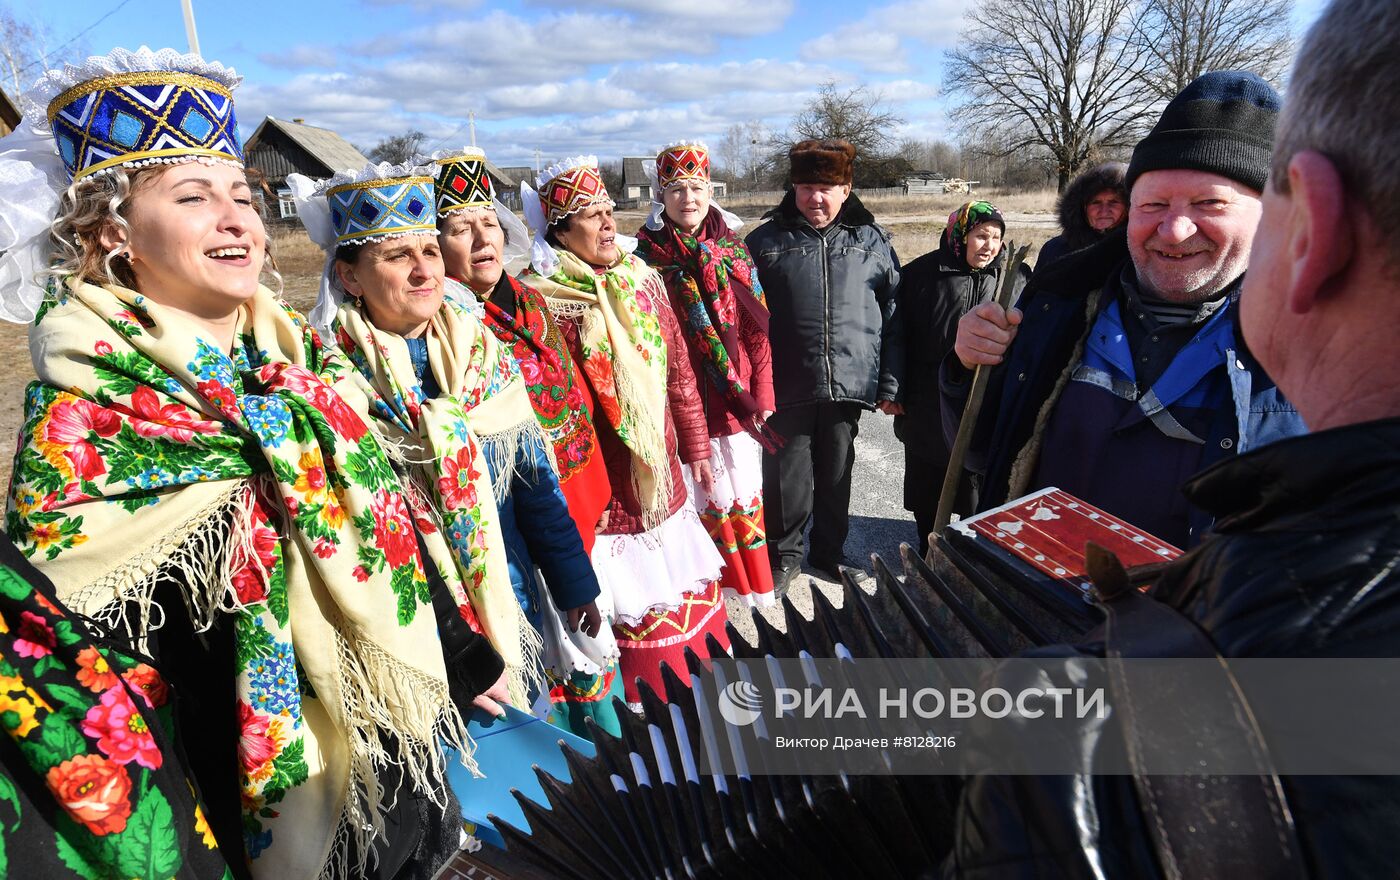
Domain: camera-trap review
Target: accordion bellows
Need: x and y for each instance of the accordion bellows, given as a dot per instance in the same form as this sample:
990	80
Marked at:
640	809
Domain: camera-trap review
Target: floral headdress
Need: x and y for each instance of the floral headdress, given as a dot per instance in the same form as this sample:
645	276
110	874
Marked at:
122	110
676	163
356	207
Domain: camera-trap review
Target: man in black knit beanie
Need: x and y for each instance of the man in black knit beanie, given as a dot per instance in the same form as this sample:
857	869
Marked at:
1122	372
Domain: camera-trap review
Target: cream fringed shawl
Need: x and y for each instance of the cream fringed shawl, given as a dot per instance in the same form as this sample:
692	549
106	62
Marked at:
482	409
148	454
624	360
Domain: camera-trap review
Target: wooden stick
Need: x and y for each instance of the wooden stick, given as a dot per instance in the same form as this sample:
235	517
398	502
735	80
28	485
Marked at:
954	476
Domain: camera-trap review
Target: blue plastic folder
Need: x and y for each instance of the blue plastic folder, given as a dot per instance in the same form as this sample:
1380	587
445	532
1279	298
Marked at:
505	750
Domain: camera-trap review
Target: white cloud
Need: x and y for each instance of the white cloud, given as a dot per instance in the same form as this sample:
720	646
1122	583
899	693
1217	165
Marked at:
935	22
877	41
674	81
874	49
619	79
739	18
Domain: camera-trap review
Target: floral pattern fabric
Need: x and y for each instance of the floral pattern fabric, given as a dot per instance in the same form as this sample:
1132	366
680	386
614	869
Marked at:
623	356
476	375
143	444
559	400
699	271
90	728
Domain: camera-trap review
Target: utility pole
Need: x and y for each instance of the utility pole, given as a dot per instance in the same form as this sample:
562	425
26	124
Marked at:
190	34
537	161
471	121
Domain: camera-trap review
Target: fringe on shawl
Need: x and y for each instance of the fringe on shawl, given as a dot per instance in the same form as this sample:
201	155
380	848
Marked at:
1023	466
366	671
530	673
199	554
502	451
649	451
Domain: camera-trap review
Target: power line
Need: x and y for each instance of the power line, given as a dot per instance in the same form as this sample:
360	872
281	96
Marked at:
75	38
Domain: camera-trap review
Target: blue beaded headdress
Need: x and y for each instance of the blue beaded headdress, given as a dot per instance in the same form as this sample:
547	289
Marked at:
124	118
371	209
126	109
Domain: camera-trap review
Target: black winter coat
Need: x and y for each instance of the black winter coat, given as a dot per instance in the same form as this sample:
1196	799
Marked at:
831	300
934	293
1302	564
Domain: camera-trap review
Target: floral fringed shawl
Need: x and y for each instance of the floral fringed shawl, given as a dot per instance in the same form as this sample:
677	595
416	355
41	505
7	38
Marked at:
560	405
148	453
713	276
624	360
482	409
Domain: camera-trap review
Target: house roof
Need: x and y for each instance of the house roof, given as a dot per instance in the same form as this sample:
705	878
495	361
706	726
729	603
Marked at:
9	113
519	173
502	175
324	145
632	173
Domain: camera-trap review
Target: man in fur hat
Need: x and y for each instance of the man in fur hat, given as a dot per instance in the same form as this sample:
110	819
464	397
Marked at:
830	275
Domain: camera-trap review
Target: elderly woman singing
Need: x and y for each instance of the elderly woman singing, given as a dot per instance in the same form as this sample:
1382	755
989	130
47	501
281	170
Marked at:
654	557
196	473
449	398
479	236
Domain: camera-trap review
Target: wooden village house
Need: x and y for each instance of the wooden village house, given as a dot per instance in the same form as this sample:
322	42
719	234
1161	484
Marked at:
279	148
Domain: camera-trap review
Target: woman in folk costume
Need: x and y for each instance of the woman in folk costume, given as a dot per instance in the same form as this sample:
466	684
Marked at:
196	473
717	298
448	396
656	561
479	236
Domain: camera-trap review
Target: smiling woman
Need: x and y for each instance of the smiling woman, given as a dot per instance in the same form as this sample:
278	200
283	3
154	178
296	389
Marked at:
197	477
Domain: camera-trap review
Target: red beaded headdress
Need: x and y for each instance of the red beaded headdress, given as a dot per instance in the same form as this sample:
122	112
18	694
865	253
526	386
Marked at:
686	160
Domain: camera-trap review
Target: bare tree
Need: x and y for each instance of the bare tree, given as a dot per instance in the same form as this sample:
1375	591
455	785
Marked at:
746	151
858	115
399	148
24	51
1185	38
1060	75
611	170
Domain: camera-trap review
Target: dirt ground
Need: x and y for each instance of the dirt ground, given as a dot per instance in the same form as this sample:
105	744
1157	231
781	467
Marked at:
913	222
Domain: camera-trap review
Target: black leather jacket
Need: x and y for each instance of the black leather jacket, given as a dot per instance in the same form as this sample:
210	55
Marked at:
1304	562
831	300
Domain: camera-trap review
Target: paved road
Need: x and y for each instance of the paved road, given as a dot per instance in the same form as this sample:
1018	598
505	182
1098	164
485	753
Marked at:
879	521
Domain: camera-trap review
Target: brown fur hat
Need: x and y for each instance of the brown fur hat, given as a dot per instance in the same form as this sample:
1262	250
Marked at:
829	161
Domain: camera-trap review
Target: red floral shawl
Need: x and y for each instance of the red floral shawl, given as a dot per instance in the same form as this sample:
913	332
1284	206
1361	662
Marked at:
556	393
712	276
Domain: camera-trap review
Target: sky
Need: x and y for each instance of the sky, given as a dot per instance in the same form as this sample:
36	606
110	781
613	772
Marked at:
610	78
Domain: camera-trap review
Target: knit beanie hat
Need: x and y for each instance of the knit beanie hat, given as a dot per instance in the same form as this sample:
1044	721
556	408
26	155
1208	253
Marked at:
1223	122
829	162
